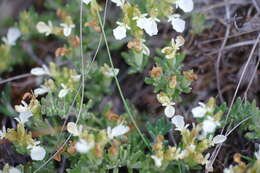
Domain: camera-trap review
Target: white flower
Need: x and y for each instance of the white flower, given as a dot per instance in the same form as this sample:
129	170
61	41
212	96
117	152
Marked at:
219	139
185	5
83	146
117	131
169	111
209	125
119	3
183	154
2	132
108	71
229	170
12	35
199	111
14	170
67	28
141	20
37	153
44	28
150	26
64	91
177	23
24	107
179	41
120	31
157	160
257	154
73	129
24	117
87	1
39	71
178	121
42	90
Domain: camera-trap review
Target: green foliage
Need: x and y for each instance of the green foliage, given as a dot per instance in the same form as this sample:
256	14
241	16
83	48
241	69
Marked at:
137	61
243	110
5	101
171	68
198	23
159	127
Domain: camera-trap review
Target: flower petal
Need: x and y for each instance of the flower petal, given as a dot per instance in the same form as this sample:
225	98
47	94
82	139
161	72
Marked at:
219	139
14	170
12	35
117	131
157	160
209	126
178	24
63	93
119	2
199	112
82	146
169	111
87	1
37	153
186	5
178	121
119	32
73	129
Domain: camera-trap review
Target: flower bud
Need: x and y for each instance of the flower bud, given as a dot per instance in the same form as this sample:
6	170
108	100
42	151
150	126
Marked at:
173	82
190	75
156	72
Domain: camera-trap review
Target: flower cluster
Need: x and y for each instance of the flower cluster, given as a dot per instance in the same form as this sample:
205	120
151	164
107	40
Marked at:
65	28
193	142
148	23
65	80
20	136
88	141
242	167
210	119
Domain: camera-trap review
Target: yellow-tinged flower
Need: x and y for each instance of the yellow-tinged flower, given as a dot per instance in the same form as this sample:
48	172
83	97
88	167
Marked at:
171	51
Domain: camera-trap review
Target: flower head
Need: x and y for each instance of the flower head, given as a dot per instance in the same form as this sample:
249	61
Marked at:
170	51
209	125
42	90
74	129
37	153
157	160
39	71
185	5
67	28
2	132
87	1
119	3
120	31
108	71
177	23
178	121
199	111
169	111
64	91
83	146
23	117
141	20
12	35
44	28
219	139
117	131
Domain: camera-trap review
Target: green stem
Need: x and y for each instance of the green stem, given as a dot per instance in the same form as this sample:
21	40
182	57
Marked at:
118	86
